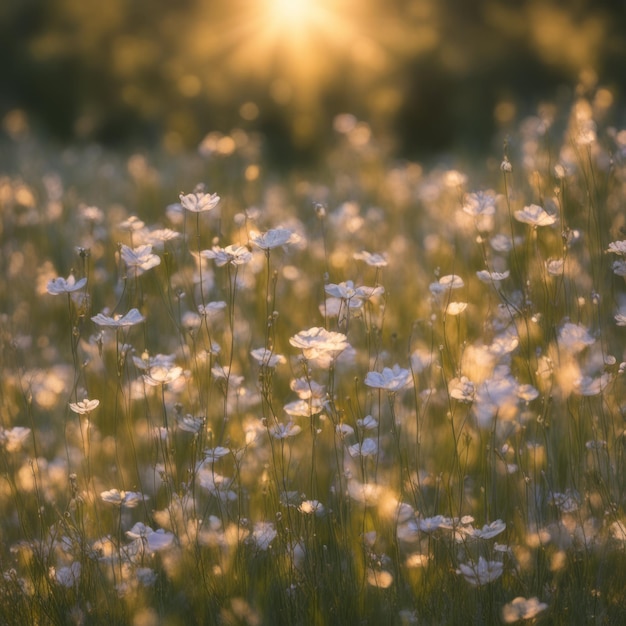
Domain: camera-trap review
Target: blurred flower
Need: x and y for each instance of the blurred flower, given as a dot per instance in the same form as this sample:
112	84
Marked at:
132	224
618	247
285	431
379	578
355	296
151	540
369	447
211	309
534	215
522	608
489	277
445	283
139	260
189	423
462	389
213	454
480	203
372	259
588	386
131	318
574	338
127	499
390	379
488	531
11	439
263	535
310	507
199	202
273	238
367	423
455	308
267	358
481	573
162	375
619	268
84	407
555	267
68	576
233	254
65	285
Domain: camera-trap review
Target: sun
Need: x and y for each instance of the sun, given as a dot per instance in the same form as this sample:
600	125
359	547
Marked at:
298	14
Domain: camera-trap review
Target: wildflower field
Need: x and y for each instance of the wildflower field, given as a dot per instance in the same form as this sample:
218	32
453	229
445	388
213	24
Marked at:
379	393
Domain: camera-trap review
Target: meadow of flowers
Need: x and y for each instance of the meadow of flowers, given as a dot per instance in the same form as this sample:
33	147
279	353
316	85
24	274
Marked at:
379	393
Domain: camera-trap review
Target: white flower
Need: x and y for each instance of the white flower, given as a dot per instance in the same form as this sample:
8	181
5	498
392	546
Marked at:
312	507
233	254
492	277
522	609
619	267
160	236
588	386
367	423
318	340
84	407
445	283
574	338
132	224
65	285
527	393
190	424
213	454
534	215
199	202
369	447
371	258
351	294
13	438
131	318
68	576
150	539
267	358
480	203
127	499
285	431
139	260
391	379
431	524
263	535
618	247
490	530
555	267
304	408
462	389
273	238
481	573
455	308
162	375
211	309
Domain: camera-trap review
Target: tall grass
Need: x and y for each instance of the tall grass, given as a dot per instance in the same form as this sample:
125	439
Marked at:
383	394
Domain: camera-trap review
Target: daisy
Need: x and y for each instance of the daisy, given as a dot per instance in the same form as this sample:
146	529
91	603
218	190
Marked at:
273	238
390	379
534	215
199	202
65	285
131	318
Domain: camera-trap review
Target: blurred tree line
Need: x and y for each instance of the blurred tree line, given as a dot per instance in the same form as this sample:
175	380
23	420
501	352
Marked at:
429	74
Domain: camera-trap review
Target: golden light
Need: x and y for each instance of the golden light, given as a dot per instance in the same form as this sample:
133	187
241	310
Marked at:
296	14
